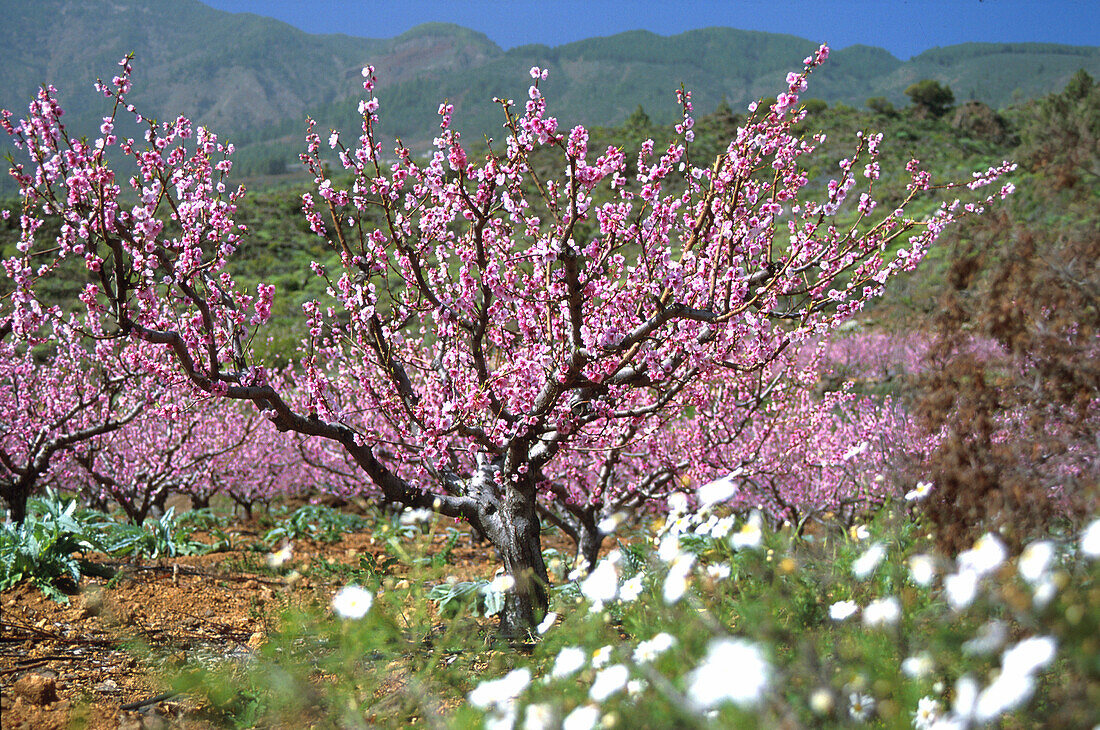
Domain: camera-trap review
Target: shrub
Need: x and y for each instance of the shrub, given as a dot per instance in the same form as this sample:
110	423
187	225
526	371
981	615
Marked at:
930	97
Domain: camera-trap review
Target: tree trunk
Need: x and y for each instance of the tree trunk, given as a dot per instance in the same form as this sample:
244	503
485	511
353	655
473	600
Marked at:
514	531
16	494
17	504
158	505
589	542
579	524
244	504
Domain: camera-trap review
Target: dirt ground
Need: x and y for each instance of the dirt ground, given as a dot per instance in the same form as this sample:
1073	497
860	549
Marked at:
68	665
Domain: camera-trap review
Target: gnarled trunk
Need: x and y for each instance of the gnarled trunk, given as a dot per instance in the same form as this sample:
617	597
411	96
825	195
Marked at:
581	524
16	498
514	530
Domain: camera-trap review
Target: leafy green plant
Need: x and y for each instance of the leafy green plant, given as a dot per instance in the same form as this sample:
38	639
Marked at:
460	597
154	538
315	522
43	550
369	572
444	555
204	519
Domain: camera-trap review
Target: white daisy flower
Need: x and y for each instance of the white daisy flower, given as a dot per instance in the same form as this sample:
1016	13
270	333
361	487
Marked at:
842	610
866	563
352	602
733	670
860	706
922	490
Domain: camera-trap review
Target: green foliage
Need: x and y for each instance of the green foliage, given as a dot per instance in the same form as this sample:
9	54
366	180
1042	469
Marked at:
1060	134
638	121
370	572
445	555
315	522
43	550
206	519
48	549
815	106
461	598
931	97
881	105
154	538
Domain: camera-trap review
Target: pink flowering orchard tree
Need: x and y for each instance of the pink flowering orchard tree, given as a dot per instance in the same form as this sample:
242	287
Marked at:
803	455
56	394
171	448
781	446
268	466
483	320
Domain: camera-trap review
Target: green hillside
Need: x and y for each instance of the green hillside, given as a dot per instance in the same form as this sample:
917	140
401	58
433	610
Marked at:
232	71
254	79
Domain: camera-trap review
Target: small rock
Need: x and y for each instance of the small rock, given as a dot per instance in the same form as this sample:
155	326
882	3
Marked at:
251	585
107	686
36	689
130	721
91	601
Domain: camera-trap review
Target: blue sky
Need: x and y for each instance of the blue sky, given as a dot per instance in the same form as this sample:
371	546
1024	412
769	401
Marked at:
904	27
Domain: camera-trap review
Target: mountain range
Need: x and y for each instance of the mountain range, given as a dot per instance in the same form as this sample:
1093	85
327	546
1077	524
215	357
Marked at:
253	79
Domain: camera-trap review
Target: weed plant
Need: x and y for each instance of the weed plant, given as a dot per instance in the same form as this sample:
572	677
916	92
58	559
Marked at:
315	522
49	550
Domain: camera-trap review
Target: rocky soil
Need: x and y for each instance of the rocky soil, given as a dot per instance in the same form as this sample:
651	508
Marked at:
101	661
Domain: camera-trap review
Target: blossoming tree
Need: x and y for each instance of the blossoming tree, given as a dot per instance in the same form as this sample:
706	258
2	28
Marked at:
483	320
56	394
775	443
267	466
171	448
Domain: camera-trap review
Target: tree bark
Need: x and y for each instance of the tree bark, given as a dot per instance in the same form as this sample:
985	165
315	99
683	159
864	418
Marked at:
17	503
580	524
17	493
589	542
515	532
